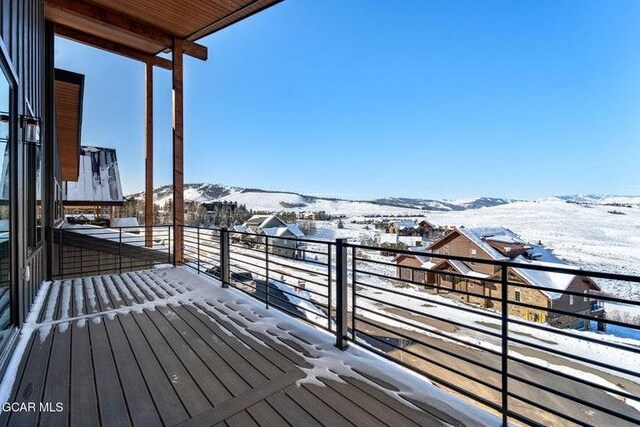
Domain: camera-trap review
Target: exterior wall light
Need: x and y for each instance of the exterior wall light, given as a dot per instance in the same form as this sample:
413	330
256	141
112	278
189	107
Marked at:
31	129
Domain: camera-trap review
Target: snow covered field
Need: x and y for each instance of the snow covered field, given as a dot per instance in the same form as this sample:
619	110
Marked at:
268	201
587	236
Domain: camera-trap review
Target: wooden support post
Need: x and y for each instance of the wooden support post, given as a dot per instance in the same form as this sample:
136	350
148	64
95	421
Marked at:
148	163
178	150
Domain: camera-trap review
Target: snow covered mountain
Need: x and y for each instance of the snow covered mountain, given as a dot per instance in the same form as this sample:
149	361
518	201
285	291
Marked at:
445	205
263	200
192	192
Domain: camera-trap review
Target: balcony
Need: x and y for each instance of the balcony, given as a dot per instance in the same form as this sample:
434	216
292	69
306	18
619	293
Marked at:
167	346
218	339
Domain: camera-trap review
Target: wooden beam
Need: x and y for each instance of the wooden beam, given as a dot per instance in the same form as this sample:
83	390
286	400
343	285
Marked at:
178	151
110	46
109	17
148	174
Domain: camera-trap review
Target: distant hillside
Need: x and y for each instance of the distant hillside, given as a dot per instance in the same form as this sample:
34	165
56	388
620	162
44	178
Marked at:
445	205
274	201
602	200
192	192
265	200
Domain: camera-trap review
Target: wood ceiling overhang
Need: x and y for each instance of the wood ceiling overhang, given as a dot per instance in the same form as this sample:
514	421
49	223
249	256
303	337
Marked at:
69	93
141	29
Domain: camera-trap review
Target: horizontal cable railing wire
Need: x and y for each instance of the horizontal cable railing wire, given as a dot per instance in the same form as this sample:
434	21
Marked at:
84	250
282	272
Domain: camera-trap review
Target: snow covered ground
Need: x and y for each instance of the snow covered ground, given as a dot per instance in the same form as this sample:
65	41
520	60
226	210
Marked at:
274	202
587	236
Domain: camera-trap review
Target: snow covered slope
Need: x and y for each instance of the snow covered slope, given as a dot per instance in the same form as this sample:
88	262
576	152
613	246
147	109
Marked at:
445	205
275	201
192	192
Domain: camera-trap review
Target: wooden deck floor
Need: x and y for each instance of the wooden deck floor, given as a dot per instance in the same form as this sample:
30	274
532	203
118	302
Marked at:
144	348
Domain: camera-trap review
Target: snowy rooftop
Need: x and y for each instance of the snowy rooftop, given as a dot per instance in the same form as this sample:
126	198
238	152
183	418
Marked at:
422	254
98	180
204	355
462	268
480	235
545	279
405	223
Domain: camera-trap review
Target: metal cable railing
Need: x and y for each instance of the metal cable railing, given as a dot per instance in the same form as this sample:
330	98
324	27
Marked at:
508	344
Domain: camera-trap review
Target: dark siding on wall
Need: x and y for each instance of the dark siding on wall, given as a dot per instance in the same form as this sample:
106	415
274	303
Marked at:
23	36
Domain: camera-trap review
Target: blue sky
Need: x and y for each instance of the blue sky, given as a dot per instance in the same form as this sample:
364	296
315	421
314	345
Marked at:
370	98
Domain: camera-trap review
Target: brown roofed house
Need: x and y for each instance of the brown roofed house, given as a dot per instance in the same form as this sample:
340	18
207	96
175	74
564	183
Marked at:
473	281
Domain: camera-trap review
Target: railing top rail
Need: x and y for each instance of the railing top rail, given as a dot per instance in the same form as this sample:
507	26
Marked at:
502	263
100	227
297	239
499	263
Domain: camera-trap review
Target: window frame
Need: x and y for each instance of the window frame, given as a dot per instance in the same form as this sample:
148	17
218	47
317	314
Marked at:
7	69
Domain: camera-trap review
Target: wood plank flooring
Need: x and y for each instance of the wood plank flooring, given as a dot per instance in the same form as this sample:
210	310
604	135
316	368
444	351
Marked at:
133	349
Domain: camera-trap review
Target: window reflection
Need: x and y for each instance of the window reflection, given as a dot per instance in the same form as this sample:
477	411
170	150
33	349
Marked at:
5	208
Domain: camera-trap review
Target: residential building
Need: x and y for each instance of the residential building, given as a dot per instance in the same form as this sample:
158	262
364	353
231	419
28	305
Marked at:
427	229
283	237
405	227
473	279
408	227
260	222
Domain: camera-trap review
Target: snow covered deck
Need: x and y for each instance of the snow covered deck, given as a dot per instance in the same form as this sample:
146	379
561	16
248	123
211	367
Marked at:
170	347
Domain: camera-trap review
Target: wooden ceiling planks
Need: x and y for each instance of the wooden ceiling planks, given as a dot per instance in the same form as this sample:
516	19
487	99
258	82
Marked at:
150	26
68	90
249	8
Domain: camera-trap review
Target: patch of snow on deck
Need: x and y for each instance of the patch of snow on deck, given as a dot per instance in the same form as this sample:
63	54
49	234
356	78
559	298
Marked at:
28	329
327	361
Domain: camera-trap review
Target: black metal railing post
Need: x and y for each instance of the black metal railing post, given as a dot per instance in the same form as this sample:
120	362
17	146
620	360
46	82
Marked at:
198	248
341	294
225	273
505	344
330	284
266	261
120	250
353	293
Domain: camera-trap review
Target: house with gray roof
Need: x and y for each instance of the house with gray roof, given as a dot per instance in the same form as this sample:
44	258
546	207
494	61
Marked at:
282	237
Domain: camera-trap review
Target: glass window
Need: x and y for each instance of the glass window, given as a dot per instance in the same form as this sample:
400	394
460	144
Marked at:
6	121
517	295
33	188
